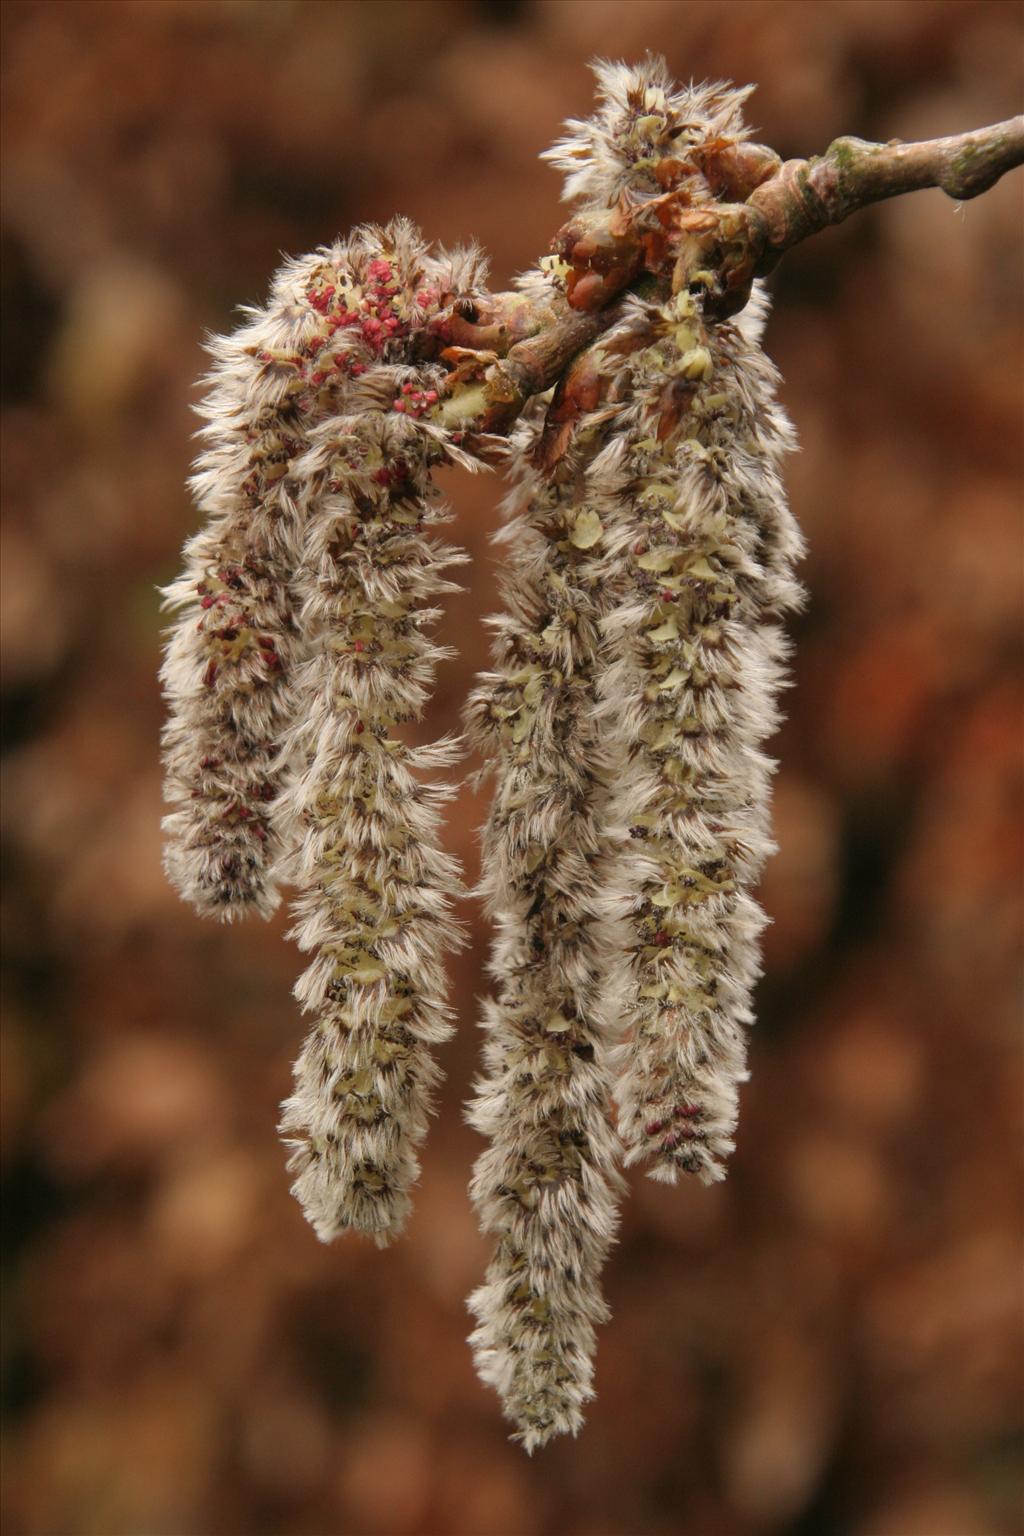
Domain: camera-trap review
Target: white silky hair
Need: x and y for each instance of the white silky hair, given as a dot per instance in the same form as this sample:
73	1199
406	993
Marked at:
636	667
622	702
323	515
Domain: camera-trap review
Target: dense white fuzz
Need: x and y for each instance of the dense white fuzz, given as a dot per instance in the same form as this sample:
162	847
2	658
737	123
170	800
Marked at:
375	886
647	558
709	547
644	125
301	649
547	1185
698	662
648	561
227	671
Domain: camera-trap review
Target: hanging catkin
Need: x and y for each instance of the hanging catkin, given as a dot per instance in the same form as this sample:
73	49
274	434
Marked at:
547	1185
375	887
692	689
695	642
229	663
339	510
647	563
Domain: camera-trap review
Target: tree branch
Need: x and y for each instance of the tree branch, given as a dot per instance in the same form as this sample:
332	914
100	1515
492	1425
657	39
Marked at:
805	196
752	208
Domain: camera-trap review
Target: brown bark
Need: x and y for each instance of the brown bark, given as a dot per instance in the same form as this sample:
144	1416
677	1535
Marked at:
501	350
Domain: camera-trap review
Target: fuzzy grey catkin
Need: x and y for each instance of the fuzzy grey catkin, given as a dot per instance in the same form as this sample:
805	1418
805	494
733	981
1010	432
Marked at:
698	663
649	561
345	505
229	662
697	651
633	685
375	886
547	1185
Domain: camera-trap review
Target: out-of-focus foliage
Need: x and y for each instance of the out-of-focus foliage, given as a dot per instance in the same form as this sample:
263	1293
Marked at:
828	1343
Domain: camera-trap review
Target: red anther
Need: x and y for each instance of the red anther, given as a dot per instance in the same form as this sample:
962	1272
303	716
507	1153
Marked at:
271	658
391	324
425	297
360	727
314	344
210	674
431	396
358	645
653	1127
661	937
686	1111
639	547
399	406
371	325
379	268
407	388
207	602
668	597
321	300
317	378
209	762
357	369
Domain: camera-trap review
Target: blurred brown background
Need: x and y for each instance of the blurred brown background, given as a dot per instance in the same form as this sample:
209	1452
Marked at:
830	1343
